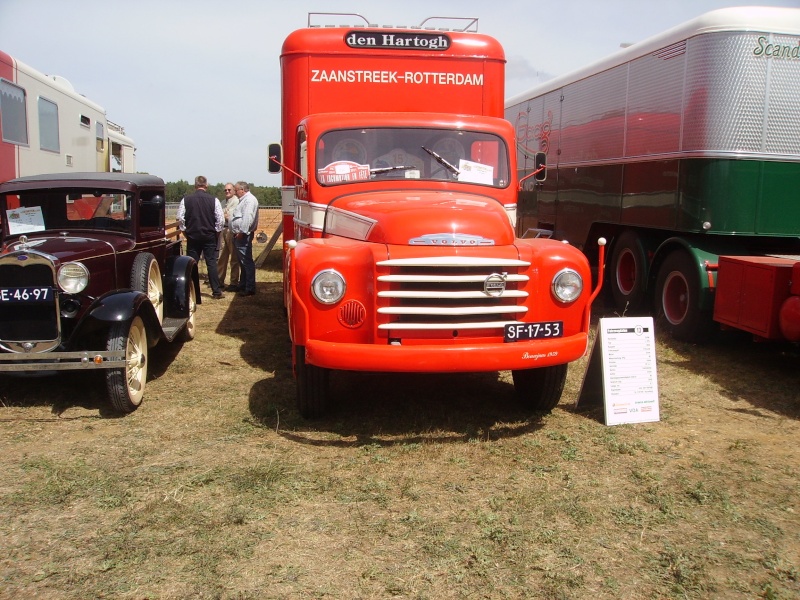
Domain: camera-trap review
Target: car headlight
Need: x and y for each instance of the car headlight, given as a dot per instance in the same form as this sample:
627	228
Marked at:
73	277
328	286
567	286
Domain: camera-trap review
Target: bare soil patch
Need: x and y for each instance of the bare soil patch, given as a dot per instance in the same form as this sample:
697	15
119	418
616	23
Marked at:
430	486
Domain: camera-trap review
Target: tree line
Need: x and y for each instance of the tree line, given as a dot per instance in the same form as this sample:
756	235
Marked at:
267	195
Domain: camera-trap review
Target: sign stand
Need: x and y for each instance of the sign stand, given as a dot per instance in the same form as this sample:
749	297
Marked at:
621	374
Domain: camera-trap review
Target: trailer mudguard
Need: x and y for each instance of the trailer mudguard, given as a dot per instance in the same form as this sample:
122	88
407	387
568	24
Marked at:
704	252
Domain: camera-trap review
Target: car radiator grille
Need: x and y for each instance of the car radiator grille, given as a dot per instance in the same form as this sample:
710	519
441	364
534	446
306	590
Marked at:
20	321
417	296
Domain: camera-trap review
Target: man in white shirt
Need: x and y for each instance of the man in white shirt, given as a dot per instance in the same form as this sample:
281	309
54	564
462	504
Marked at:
244	222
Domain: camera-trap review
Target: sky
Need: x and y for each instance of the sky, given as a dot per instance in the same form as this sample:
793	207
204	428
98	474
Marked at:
196	83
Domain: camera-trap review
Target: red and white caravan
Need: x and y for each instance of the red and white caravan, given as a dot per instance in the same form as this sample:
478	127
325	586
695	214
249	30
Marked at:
399	188
47	127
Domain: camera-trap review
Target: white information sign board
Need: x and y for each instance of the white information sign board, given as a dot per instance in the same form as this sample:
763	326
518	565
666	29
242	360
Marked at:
630	381
623	365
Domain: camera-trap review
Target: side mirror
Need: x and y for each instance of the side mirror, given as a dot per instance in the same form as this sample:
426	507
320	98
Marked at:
540	168
274	158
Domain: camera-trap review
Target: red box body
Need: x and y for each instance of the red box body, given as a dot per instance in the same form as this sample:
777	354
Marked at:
750	291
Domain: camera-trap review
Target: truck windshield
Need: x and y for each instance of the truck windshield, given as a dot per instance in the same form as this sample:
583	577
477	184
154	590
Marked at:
66	210
360	155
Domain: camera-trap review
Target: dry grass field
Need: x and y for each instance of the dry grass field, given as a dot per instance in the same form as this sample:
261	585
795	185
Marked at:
433	486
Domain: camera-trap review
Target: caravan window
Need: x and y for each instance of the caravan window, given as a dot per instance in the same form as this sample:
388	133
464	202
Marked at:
48	126
14	114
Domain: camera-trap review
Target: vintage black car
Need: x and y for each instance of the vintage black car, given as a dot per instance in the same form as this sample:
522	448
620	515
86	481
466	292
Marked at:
90	278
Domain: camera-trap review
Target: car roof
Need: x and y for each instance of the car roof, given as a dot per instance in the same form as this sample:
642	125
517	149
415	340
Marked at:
121	180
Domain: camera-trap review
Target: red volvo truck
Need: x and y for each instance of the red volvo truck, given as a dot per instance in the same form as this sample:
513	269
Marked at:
399	191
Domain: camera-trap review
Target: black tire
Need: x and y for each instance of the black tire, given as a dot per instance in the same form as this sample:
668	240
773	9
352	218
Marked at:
628	274
125	385
677	299
313	387
146	277
540	389
188	332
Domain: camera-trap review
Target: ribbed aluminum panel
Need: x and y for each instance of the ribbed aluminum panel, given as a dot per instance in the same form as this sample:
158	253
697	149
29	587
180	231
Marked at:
738	101
783	125
655	100
588	131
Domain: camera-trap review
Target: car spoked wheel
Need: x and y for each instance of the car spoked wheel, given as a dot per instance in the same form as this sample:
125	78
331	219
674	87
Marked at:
187	333
146	277
126	384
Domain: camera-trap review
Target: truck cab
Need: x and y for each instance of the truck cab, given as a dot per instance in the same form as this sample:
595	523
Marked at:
400	185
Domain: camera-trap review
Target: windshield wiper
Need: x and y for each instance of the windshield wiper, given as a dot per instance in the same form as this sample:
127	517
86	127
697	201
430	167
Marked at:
380	170
442	161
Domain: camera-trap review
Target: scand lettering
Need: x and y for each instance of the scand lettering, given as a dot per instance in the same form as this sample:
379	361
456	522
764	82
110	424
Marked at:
765	48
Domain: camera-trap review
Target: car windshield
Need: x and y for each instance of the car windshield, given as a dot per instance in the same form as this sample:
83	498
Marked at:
358	155
67	210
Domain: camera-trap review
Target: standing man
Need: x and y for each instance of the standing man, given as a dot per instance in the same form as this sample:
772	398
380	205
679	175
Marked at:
227	250
200	218
244	223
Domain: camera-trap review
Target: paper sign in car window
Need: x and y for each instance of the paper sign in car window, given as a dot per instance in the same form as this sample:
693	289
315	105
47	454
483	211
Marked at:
343	171
474	172
25	220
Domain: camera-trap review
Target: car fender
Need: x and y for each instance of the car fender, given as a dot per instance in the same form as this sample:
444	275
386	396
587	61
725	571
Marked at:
180	273
120	306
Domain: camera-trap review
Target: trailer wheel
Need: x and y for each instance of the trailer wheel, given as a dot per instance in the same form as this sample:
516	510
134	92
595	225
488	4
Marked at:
188	332
678	299
540	389
313	387
126	384
146	277
628	273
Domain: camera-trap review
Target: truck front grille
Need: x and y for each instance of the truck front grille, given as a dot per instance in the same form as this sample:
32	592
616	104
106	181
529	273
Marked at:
450	294
22	321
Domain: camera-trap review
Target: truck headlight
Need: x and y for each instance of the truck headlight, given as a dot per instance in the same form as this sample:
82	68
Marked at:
328	286
567	286
73	277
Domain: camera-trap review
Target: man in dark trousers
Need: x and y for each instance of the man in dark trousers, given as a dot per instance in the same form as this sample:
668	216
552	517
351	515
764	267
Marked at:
200	218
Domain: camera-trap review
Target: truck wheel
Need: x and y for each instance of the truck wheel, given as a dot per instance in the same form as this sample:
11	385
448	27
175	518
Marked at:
146	277
312	387
540	389
187	333
628	276
126	384
678	299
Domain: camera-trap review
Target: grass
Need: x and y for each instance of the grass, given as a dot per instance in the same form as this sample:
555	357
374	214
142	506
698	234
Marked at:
433	486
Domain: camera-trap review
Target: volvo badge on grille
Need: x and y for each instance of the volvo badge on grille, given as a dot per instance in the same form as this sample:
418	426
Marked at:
495	284
450	239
